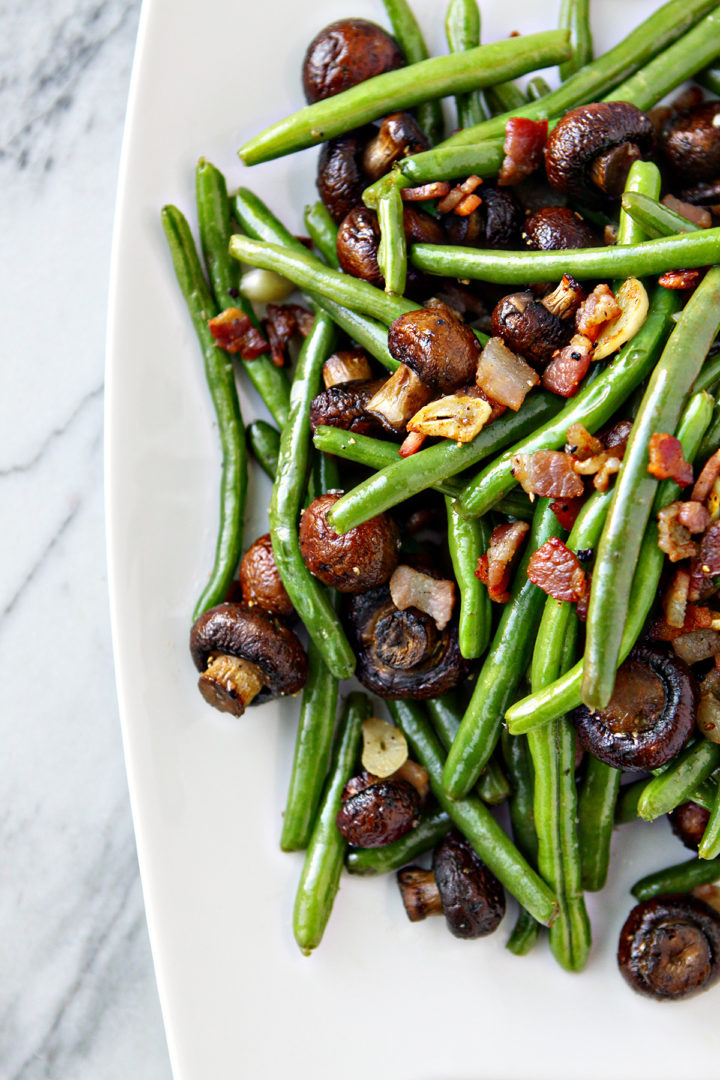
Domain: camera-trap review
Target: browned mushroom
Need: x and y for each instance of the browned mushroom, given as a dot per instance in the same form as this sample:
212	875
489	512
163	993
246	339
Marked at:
358	239
346	365
434	343
557	228
376	812
459	886
340	177
527	327
496	223
345	406
690	143
589	153
346	53
246	656
688	822
399	135
669	947
359	559
260	581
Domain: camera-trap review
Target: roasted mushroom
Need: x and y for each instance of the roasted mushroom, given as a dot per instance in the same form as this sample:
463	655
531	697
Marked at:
346	53
496	223
376	812
345	406
260	581
650	716
399	135
557	228
688	822
434	343
346	365
246	656
358	239
528	328
340	177
459	886
690	143
359	559
402	653
589	153
670	947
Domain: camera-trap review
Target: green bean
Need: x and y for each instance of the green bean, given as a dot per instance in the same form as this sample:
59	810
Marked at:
709	374
309	598
409	37
493	787
711	441
523	267
564	693
644	180
264	442
213	210
710	844
593	406
462	28
710	79
445	713
626	809
323	231
427	834
474	819
392	249
468	540
503	668
408	476
653	218
684	877
325	476
505	97
260	223
537	88
313	748
404	88
522	818
321	871
635	489
448	163
223	391
524	935
596	817
575	17
677	783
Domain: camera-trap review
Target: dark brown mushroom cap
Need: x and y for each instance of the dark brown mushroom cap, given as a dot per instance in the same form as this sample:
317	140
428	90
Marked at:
557	228
402	653
594	143
340	177
437	346
473	899
650	716
379	814
690	143
359	559
357	245
260	581
670	947
256	636
497	223
345	406
688	822
422	228
529	329
346	53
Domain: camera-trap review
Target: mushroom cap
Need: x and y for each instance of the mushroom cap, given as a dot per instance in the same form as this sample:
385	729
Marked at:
256	636
670	947
345	406
690	143
260	581
557	228
437	346
529	329
345	53
472	897
379	813
359	559
688	822
357	245
496	223
340	177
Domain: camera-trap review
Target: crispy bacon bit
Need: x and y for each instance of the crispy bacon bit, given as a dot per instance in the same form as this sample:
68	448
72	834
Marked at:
583	603
709	474
679	279
581	444
411	444
699	215
599	308
673	537
234	332
693	516
281	323
504	376
666	459
675	599
412	588
548	473
696	618
494	568
455	196
568	367
566	511
523	148
437	190
705	567
557	571
467	205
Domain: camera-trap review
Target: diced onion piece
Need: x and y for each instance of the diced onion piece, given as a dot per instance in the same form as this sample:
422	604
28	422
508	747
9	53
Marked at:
265	286
434	596
452	417
504	376
697	645
384	747
634	304
676	598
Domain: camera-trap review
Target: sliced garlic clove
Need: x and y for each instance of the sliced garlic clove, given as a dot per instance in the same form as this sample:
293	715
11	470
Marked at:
634	304
384	747
452	417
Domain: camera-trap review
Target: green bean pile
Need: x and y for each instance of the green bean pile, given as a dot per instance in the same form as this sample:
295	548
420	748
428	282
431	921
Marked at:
533	663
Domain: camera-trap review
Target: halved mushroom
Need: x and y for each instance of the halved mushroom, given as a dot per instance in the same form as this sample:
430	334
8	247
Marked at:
589	153
688	822
358	239
246	657
650	716
346	365
340	177
496	223
399	135
459	886
670	947
557	228
346	53
345	406
359	559
690	143
529	328
376	812
260	581
434	343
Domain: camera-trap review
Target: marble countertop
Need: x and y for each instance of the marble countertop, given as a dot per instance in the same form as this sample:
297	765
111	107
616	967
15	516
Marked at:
77	991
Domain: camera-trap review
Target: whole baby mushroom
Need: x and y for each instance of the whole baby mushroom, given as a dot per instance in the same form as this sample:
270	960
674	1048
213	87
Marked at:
670	947
345	53
359	559
260	581
245	656
690	143
377	811
341	179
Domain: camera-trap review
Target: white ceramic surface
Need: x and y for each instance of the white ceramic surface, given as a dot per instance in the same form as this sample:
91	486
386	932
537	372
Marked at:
381	997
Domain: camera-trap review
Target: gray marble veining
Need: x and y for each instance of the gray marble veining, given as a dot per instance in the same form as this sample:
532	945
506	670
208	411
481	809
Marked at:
77	991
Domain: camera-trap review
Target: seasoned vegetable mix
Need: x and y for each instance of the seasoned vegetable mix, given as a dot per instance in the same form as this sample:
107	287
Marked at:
495	455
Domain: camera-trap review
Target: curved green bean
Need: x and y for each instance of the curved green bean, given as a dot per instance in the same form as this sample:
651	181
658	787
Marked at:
392	249
448	163
409	37
264	442
575	17
710	844
684	877
427	834
676	784
524	935
467	541
323	231
596	817
626	808
462	29
653	218
537	88
643	180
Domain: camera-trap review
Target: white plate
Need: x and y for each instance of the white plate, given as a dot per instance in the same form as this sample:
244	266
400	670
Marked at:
381	997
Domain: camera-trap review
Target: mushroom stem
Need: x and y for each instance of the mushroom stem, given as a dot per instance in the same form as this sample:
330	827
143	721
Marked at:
420	893
230	683
565	299
609	171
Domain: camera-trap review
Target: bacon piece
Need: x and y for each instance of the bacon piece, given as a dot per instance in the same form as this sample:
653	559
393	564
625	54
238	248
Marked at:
412	588
457	194
697	645
494	568
699	215
596	310
523	148
467	205
709	474
568	367
666	459
281	323
436	190
696	618
693	516
581	444
679	279
411	444
566	511
581	608
557	571
548	473
234	332
674	537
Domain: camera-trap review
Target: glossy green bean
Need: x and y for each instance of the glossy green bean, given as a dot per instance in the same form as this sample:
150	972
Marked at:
323	231
635	489
504	97
525	934
264	442
325	476
474	819
575	17
467	541
677	783
223	391
710	79
518	763
503	668
408	476
320	877
710	844
404	88
313	748
596	818
409	37
427	834
462	29
654	218
626	808
711	441
537	88
643	179
392	248
681	878
493	786
445	713
710	374
593	406
449	163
